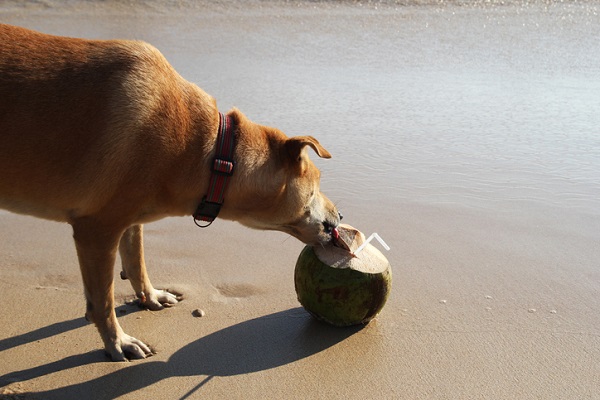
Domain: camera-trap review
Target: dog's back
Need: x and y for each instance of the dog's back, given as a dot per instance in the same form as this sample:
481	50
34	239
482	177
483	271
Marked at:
73	114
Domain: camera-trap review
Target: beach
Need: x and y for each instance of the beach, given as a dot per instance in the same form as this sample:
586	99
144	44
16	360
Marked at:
464	133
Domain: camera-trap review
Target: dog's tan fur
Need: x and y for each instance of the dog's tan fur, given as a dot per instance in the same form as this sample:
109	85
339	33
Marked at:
105	135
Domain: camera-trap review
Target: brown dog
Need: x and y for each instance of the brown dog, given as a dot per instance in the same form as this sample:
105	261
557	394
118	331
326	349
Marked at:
105	135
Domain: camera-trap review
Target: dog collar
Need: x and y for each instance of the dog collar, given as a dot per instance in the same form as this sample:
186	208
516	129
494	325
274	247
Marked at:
221	171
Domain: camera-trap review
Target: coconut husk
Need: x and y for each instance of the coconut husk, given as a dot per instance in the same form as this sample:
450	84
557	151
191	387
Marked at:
349	238
340	252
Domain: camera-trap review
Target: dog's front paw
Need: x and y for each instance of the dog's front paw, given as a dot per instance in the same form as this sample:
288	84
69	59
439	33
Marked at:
158	299
126	348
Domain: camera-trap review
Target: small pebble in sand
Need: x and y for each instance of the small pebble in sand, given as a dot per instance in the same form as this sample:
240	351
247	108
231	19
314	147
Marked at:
531	310
488	297
198	313
552	311
443	301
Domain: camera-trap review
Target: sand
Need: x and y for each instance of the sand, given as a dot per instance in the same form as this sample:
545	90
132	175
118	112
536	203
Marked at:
472	156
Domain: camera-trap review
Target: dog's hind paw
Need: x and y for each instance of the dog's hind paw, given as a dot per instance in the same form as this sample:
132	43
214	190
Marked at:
158	299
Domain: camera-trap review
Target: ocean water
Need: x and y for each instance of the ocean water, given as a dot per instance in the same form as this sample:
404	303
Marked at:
491	105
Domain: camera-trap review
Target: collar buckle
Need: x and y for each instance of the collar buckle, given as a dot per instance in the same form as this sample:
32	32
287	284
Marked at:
222	167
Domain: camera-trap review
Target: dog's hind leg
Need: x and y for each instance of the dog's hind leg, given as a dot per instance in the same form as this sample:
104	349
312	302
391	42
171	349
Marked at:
131	249
96	248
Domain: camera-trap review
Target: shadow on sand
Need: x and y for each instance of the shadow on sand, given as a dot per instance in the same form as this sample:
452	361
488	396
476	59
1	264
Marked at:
255	345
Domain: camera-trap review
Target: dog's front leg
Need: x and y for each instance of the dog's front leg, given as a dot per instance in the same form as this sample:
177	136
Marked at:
96	249
131	249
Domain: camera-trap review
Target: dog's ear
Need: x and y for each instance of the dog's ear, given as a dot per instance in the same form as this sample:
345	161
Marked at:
296	144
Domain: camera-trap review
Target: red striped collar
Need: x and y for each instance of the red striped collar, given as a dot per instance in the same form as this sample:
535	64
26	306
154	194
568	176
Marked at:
221	171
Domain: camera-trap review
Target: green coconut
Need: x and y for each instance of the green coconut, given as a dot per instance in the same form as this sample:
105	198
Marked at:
339	288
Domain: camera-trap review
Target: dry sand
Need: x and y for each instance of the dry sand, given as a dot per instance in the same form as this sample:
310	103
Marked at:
496	287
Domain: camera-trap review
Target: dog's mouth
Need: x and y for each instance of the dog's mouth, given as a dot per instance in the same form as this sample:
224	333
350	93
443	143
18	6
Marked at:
317	238
339	240
335	233
322	234
330	230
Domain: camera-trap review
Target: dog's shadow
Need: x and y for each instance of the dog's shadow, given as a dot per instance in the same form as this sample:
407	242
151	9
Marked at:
255	345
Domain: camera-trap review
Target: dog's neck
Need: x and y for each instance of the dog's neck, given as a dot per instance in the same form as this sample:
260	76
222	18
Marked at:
221	170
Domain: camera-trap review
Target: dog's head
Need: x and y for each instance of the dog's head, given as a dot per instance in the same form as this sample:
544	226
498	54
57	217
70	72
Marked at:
276	185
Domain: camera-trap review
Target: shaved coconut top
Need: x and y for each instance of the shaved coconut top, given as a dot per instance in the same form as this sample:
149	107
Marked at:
369	260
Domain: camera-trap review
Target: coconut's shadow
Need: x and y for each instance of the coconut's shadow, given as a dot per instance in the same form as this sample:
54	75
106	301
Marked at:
255	345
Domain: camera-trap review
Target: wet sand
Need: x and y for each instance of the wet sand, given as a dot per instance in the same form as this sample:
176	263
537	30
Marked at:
464	136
